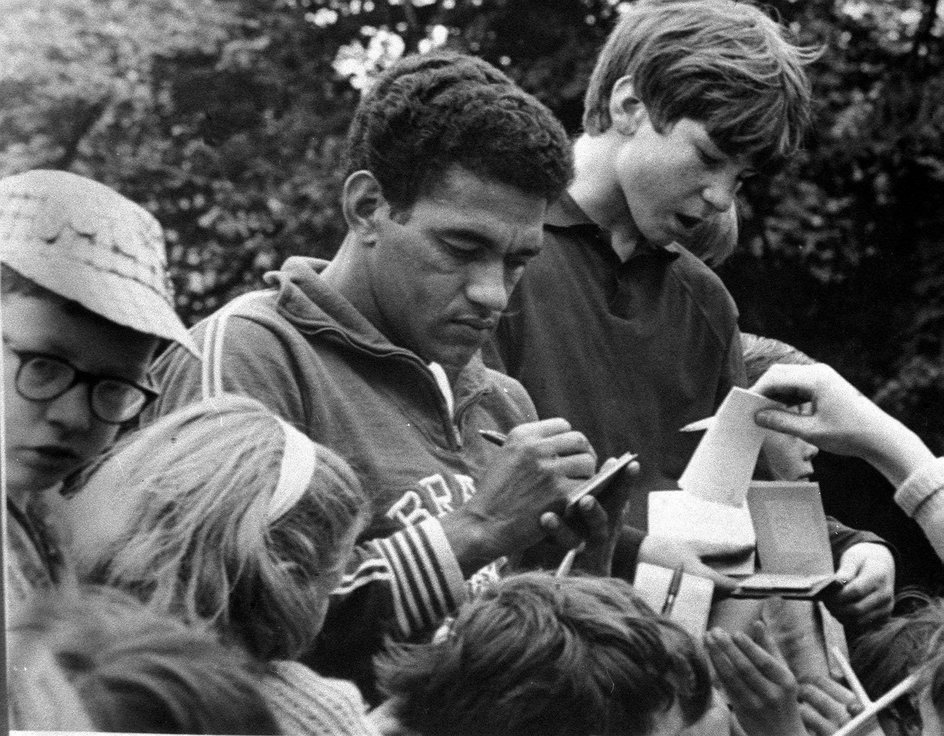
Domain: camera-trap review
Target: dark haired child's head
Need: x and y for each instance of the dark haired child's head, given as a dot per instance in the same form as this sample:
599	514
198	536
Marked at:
783	456
428	114
720	63
535	654
86	302
221	512
883	657
97	660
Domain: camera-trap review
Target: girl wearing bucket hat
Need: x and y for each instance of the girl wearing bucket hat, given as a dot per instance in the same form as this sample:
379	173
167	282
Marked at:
85	302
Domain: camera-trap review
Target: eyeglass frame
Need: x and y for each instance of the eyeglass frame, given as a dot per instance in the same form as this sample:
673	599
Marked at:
92	380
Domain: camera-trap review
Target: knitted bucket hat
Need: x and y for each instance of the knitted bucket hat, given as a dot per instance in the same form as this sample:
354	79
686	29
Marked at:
87	243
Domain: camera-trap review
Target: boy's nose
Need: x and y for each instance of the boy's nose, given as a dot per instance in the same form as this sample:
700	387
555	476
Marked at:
720	195
72	410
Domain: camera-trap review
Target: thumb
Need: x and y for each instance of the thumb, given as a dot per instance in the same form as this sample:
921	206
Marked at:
723	583
848	569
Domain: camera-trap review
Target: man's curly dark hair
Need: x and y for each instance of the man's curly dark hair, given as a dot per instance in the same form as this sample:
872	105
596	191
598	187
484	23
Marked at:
429	112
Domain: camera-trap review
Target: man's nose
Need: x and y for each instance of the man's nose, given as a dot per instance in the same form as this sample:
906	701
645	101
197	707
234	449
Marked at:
487	286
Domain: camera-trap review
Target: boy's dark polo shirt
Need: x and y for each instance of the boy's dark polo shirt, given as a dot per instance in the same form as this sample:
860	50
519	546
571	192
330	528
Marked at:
627	352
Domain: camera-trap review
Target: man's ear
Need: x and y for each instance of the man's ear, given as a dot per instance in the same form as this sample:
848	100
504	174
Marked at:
361	201
626	110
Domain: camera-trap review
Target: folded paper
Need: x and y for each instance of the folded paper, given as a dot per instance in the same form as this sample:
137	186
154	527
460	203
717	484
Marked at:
723	463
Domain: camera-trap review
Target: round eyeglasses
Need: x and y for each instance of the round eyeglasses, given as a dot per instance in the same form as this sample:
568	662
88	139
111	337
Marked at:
43	377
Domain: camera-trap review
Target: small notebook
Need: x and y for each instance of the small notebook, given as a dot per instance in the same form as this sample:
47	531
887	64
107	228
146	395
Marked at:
793	553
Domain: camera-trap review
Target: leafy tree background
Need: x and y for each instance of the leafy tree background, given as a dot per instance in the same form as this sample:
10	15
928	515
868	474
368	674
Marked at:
226	117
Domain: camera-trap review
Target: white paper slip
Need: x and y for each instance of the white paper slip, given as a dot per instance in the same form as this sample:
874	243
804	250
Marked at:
723	463
692	602
712	529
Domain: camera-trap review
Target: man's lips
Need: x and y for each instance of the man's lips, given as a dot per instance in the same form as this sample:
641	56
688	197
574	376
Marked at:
477	323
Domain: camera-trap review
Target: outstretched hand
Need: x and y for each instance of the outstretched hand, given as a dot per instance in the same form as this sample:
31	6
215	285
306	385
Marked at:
825	705
671	552
760	686
843	421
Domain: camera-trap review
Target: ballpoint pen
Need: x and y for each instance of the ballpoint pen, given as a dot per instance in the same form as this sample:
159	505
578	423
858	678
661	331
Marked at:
568	561
674	586
496	438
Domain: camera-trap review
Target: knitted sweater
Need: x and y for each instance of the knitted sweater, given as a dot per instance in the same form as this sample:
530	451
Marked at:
306	704
921	496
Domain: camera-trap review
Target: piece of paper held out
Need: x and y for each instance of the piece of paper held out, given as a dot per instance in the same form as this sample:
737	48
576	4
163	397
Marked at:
722	466
711	529
711	512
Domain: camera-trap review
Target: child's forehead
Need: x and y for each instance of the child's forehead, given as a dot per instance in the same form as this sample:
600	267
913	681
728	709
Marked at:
88	341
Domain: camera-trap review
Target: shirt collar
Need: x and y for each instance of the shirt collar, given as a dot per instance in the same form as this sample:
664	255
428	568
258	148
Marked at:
565	213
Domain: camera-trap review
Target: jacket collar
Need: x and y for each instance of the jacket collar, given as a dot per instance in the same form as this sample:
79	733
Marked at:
565	214
310	304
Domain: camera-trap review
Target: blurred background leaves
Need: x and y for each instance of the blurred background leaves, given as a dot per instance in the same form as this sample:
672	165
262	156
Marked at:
226	118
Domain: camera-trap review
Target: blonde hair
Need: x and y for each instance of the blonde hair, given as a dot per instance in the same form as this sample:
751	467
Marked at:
201	542
96	659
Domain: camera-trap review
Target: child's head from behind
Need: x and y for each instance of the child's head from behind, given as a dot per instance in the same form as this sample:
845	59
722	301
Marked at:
97	659
721	63
883	657
221	512
85	304
535	654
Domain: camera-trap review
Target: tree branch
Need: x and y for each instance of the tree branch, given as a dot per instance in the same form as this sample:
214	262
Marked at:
923	32
92	115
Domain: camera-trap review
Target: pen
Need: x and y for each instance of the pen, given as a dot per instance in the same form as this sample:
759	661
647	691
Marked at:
911	682
698	426
568	561
496	438
674	586
851	679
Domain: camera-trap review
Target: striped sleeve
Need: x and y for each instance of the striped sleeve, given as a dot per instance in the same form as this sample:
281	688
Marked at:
421	571
398	587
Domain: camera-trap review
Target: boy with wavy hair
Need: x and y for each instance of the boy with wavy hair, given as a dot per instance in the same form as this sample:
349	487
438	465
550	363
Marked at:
539	655
687	99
